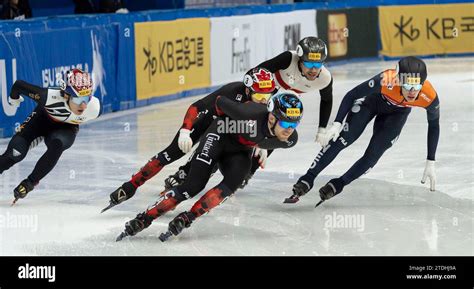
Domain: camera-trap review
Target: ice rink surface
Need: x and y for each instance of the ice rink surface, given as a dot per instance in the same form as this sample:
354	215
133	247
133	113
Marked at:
386	212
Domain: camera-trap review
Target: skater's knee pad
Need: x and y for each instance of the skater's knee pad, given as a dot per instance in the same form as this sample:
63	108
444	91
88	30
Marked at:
55	145
372	157
180	194
164	158
344	140
66	145
230	185
226	190
61	139
198	187
190	189
10	158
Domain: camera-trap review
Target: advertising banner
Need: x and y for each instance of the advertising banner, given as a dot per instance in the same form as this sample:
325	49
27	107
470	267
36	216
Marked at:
239	43
43	57
171	56
426	29
349	33
288	28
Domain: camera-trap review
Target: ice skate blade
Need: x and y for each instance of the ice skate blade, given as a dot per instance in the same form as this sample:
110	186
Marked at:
319	203
165	236
14	202
111	205
121	236
291	200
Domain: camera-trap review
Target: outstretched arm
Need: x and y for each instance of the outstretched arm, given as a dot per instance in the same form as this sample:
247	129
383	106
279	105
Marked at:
38	94
207	105
197	107
239	111
432	113
433	137
325	106
279	62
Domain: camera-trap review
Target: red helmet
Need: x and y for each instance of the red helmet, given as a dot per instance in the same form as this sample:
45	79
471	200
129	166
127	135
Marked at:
259	80
78	83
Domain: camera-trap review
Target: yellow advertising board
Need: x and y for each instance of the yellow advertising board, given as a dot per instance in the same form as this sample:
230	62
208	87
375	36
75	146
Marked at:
171	56
426	29
337	23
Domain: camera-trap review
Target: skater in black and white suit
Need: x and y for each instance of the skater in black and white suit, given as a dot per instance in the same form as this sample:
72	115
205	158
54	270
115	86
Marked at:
55	120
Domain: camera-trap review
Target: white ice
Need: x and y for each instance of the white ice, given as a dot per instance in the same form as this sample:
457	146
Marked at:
386	212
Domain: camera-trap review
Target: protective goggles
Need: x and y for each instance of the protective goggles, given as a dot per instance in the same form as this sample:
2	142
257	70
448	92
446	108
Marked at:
287	124
81	99
261	96
412	86
310	64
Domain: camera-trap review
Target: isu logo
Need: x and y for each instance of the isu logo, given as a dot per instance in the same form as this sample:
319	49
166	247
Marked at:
8	109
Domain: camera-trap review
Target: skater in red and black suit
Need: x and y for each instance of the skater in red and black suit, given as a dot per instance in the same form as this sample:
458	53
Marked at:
301	71
258	86
268	127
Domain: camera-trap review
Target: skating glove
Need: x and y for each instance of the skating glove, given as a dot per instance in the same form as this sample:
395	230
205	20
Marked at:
16	102
331	133
430	173
185	142
262	156
321	136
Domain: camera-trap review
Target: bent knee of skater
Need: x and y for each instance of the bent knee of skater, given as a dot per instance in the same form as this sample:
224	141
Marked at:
14	155
372	157
191	189
229	187
58	145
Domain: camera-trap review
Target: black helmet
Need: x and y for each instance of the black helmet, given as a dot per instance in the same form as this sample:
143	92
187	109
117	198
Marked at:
312	49
286	106
411	67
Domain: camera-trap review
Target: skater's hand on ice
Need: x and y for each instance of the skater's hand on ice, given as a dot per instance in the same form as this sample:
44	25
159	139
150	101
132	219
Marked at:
332	133
321	137
262	154
185	142
430	173
16	102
